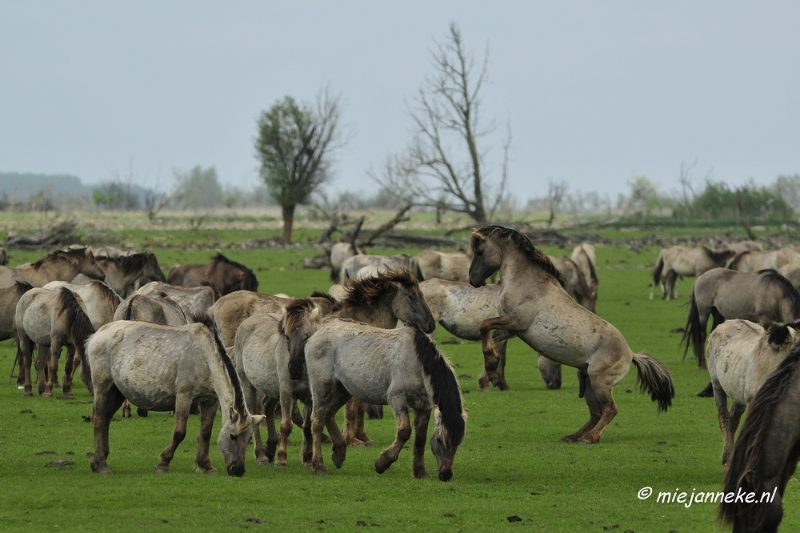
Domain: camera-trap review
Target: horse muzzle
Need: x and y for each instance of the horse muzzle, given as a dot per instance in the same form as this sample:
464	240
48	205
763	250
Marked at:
295	370
236	469
477	282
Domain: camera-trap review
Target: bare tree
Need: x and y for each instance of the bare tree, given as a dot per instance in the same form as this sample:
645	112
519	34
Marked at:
556	190
295	145
445	164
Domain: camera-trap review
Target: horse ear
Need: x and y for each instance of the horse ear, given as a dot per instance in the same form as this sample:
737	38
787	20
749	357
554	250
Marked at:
255	420
233	414
314	313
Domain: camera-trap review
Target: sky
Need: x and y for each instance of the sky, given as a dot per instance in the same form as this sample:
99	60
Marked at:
594	92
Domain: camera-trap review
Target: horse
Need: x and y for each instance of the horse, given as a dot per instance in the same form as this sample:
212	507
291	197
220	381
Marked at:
263	347
232	309
535	307
122	272
722	294
3	256
740	246
741	354
575	283
339	253
429	264
226	275
100	300
791	271
159	309
583	256
163	368
60	265
399	367
751	261
9	297
352	265
677	261
193	300
766	453
460	308
52	319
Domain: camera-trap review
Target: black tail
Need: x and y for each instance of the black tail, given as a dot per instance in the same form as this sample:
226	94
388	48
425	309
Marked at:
230	369
657	272
693	334
80	328
446	393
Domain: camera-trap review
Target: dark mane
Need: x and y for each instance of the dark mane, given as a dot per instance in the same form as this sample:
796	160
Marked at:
326	295
718	256
128	264
751	446
773	276
214	289
369	291
75	253
734	264
107	292
446	393
522	242
22	287
230	369
294	314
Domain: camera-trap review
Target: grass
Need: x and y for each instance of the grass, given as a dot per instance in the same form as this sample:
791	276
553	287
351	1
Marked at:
511	464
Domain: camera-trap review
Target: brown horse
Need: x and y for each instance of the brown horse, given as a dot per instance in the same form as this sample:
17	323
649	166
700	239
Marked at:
52	319
430	264
677	262
226	275
721	294
163	368
535	307
766	453
122	272
60	265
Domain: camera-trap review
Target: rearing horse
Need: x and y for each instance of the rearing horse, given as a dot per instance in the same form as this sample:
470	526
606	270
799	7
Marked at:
534	307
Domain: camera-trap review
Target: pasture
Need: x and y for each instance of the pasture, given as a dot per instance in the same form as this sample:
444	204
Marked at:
512	470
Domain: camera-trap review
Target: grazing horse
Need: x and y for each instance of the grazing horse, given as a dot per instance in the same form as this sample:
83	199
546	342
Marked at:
352	265
766	453
264	345
722	294
122	272
52	319
60	265
754	261
226	275
163	368
535	307
741	354
678	261
574	282
429	264
399	367
232	309
193	300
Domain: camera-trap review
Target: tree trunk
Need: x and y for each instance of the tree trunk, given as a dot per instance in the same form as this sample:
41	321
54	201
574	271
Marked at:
288	221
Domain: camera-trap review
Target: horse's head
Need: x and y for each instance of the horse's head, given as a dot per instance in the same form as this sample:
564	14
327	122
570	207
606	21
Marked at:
300	321
152	270
486	258
235	435
89	268
443	446
409	305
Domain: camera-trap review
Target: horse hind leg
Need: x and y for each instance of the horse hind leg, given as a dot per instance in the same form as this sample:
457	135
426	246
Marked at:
602	411
182	407
69	370
595	413
354	434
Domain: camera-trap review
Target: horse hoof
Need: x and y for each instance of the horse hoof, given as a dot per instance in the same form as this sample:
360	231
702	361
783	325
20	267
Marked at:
421	475
28	395
280	465
46	395
708	392
101	469
355	442
320	471
368	442
263	461
379	468
569	438
68	396
162	470
211	471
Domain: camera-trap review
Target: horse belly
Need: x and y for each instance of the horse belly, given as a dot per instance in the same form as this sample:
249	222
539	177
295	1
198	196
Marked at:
567	339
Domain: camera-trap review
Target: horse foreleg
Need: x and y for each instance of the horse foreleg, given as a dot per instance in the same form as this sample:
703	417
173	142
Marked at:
268	404
550	371
52	369
106	403
339	447
207	413
26	349
721	401
308	438
500	326
500	380
318	416
390	454
182	407
421	420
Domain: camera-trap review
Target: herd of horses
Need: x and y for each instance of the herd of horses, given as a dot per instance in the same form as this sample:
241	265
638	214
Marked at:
202	338
752	353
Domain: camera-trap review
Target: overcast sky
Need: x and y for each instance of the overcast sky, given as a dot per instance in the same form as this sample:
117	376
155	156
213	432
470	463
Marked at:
595	92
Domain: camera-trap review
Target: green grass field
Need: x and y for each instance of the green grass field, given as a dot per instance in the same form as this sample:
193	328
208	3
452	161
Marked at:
511	472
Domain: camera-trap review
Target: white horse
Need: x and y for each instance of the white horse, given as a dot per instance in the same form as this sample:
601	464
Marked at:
163	368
